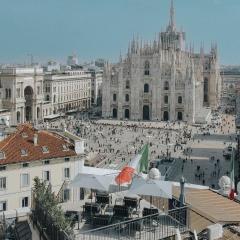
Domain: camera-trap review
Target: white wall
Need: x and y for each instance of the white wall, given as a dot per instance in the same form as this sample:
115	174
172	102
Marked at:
15	192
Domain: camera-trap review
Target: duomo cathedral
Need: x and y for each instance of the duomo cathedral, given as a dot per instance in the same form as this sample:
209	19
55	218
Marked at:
163	81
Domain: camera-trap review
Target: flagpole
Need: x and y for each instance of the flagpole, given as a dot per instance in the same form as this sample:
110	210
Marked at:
231	195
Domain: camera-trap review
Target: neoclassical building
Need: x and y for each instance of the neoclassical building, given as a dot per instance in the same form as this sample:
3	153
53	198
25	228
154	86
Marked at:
67	91
21	90
163	80
30	95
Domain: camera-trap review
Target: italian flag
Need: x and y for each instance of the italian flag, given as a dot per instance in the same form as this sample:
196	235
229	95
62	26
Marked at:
138	164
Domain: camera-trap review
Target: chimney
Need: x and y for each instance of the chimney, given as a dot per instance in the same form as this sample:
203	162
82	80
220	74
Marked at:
35	139
79	146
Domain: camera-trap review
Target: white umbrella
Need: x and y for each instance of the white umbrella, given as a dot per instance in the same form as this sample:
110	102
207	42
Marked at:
151	187
92	181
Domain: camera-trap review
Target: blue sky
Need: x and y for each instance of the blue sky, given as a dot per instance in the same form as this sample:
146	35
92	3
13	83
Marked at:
53	29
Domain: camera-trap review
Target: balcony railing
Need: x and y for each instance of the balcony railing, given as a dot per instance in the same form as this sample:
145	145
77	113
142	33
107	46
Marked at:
154	227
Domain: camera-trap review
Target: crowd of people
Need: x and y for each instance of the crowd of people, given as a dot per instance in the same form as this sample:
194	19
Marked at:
114	143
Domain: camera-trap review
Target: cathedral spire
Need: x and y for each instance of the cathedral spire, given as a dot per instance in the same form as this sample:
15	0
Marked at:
172	26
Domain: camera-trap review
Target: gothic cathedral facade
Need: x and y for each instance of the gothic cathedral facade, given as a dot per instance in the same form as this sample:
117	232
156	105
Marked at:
162	81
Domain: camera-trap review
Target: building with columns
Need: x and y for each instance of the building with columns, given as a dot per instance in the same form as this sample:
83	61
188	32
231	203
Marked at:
163	80
21	90
67	91
30	95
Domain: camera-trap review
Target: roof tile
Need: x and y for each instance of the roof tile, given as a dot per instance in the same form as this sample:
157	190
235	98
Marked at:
12	145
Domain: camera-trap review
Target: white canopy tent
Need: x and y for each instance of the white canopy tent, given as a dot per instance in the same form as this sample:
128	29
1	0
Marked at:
151	187
92	181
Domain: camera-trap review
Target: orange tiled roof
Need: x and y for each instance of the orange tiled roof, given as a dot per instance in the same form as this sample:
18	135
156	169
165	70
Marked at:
22	139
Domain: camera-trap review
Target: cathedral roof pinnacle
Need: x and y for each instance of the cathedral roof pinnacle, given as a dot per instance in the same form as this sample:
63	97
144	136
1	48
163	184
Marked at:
172	25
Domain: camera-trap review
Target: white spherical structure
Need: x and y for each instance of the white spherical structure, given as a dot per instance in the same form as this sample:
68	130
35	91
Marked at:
154	173
225	184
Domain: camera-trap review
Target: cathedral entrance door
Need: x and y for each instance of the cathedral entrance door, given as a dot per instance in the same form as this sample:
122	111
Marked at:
114	113
146	112
127	113
180	116
165	116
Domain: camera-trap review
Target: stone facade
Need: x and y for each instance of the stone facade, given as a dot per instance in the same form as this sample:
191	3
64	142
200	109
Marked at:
30	95
96	78
22	93
68	91
163	80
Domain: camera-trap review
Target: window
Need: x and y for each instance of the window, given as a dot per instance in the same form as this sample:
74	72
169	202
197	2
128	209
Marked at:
146	68
3	206
114	97
24	165
66	195
46	162
67	159
25	202
2	155
6	93
24	152
166	86
146	88
180	99
45	149
46	176
3	183
65	147
25	180
66	172
24	135
2	168
127	84
38	90
127	98
166	99
205	90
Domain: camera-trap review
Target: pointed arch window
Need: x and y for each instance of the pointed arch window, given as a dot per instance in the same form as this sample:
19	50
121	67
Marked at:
146	88
166	99
146	68
127	84
180	99
166	85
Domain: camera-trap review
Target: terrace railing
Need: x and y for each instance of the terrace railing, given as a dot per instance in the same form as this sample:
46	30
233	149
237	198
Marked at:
154	227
